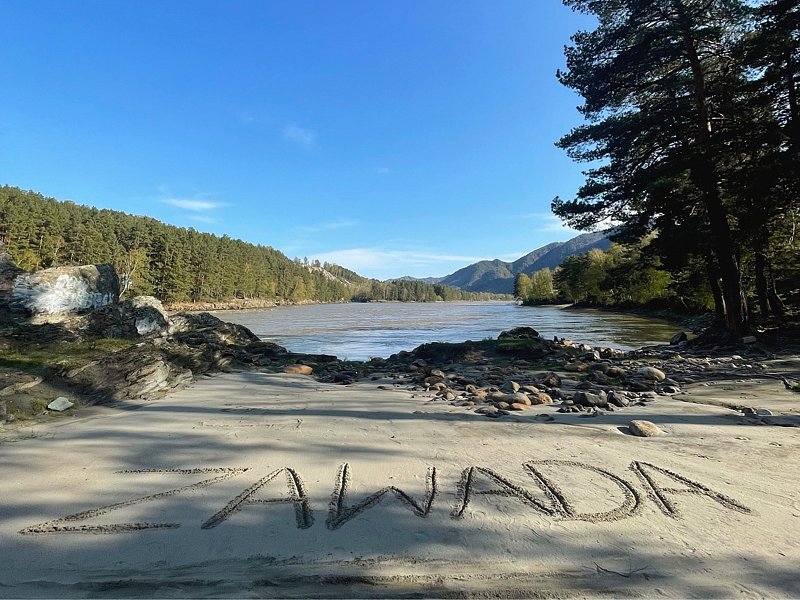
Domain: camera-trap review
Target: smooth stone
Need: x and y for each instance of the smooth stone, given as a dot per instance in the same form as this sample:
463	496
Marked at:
541	398
652	373
644	428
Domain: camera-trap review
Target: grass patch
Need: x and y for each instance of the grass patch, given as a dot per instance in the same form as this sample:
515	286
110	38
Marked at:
44	359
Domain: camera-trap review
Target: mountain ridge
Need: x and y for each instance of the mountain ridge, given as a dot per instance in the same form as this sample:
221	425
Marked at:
497	276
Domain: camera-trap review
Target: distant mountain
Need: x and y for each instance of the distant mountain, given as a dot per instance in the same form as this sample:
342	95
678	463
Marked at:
497	276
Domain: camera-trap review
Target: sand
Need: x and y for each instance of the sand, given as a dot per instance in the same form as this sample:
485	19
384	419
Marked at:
266	485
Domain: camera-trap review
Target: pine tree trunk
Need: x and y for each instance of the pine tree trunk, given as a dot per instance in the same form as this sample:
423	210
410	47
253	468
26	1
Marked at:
716	290
704	176
762	285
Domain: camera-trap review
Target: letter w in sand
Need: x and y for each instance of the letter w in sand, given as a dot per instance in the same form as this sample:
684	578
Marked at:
339	513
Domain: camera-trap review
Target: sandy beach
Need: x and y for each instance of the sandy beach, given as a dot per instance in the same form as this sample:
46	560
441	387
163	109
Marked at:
252	484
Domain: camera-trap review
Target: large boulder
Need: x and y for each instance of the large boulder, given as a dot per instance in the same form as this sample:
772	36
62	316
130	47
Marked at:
145	314
65	290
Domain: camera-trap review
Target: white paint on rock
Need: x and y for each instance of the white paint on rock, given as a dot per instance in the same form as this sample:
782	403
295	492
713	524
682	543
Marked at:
65	294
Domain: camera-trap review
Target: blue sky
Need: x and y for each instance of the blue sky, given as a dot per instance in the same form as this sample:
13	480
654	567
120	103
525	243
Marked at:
405	137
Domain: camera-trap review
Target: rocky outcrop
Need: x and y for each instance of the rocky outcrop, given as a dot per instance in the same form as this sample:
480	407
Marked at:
145	315
64	291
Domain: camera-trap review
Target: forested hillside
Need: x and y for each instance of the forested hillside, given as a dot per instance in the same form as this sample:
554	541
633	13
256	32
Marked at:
176	264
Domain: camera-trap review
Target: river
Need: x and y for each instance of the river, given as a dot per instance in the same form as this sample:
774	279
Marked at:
361	331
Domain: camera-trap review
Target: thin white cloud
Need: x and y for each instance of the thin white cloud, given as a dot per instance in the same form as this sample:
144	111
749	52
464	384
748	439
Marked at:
381	258
549	223
331	226
302	137
191	204
383	170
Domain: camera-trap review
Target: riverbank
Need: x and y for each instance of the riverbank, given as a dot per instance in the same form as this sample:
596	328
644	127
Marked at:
234	304
260	483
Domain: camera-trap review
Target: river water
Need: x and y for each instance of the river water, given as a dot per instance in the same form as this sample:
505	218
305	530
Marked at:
361	331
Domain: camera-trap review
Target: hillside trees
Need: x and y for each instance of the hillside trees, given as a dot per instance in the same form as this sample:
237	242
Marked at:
660	82
177	264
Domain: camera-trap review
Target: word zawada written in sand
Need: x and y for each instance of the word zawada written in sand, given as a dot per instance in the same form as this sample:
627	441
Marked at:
474	482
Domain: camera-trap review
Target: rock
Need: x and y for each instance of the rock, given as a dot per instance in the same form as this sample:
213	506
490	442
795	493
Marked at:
678	338
575	367
265	349
486	410
615	372
756	412
518	406
602	367
651	373
551	380
28	382
65	290
343	377
60	404
510	387
433	380
590	399
518	397
541	398
750	339
502	405
638	386
529	389
591	356
600	378
519	333
200	329
617	399
644	428
670	389
145	314
298	369
420	363
438	373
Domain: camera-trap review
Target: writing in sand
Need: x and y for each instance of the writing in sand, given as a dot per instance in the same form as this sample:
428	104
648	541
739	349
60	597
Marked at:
546	497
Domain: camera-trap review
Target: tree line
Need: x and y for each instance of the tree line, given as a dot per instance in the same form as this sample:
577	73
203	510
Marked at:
622	276
693	132
177	264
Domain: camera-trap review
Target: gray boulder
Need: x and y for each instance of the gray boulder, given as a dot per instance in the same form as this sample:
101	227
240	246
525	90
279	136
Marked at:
678	338
589	399
145	314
